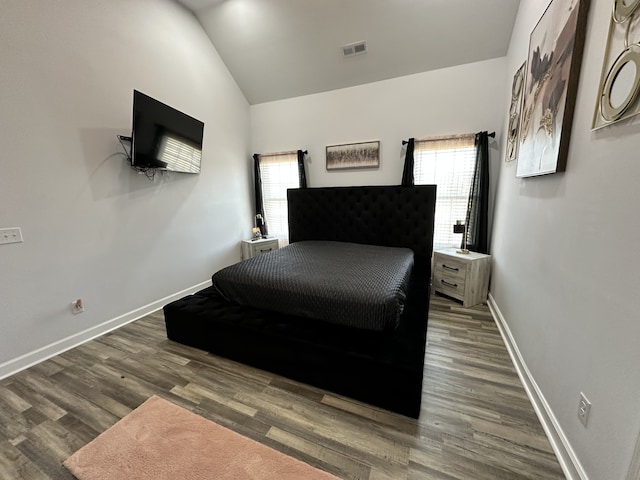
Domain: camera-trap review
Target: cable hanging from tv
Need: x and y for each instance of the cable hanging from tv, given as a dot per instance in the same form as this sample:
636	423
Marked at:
122	139
148	172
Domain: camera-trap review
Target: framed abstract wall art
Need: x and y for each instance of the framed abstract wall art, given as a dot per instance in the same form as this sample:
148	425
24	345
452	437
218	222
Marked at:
513	129
353	155
554	58
620	79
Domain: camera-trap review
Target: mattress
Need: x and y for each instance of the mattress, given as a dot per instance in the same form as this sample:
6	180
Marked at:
361	286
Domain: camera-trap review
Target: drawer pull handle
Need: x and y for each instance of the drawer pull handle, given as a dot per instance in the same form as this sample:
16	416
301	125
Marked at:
265	250
454	285
453	269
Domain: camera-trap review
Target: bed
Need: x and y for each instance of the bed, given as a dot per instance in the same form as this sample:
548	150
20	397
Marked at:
371	353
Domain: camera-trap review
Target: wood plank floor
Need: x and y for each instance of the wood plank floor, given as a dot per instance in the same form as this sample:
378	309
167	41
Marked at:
476	421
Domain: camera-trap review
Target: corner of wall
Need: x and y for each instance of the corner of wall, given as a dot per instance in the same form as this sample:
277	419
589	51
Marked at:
564	452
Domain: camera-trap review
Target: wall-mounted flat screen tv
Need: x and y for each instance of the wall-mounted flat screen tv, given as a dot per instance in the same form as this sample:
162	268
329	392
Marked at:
164	138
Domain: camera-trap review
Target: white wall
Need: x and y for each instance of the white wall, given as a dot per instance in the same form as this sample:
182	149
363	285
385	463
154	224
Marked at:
92	227
566	273
464	99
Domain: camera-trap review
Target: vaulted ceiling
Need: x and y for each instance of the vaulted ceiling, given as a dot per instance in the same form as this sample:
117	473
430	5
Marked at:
278	49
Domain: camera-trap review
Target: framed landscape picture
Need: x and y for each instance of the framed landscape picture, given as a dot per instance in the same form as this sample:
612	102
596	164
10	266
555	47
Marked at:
553	69
353	155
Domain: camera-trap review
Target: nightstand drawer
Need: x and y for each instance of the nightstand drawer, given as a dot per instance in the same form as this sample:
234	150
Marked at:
258	249
253	248
450	286
452	271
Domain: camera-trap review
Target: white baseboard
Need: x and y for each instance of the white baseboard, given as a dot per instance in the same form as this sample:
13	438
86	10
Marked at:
27	360
566	456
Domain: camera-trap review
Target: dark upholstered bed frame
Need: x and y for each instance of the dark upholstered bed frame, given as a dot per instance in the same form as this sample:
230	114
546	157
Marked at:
379	368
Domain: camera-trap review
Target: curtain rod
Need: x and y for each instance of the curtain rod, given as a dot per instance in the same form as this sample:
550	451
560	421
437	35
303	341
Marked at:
492	135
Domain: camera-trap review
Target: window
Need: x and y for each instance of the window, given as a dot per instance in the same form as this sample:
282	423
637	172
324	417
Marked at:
448	162
278	171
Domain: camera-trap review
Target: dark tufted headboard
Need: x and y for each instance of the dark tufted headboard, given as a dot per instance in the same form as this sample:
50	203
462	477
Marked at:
392	216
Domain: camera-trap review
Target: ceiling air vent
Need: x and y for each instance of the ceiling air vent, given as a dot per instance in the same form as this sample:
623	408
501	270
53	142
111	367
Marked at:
354	49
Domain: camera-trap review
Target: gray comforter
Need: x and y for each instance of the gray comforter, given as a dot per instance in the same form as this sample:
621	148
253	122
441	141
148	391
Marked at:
362	286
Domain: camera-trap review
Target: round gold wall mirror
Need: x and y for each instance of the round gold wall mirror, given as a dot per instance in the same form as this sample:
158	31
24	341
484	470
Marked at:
621	85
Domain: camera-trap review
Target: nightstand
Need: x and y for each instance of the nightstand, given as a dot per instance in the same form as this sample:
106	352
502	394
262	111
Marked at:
252	248
464	277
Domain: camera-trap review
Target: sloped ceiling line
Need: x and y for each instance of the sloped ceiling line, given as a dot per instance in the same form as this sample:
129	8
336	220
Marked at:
277	49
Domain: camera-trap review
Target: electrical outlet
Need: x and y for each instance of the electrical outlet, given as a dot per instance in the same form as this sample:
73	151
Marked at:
584	407
10	235
77	306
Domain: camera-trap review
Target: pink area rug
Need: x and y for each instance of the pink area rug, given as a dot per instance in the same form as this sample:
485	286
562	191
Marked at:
161	441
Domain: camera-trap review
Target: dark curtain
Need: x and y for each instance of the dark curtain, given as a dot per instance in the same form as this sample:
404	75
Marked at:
478	207
302	176
257	179
407	172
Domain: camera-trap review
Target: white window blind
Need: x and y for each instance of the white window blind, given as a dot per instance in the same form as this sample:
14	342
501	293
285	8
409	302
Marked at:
448	162
279	171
